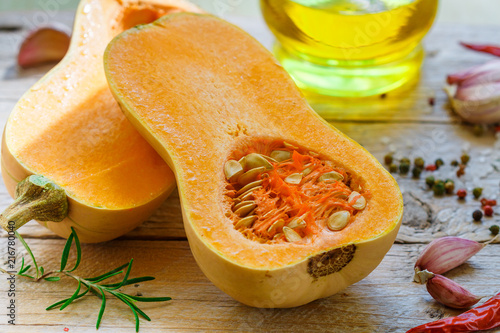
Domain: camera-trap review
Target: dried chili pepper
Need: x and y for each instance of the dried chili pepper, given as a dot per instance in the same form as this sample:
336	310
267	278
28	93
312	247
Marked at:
482	317
491	49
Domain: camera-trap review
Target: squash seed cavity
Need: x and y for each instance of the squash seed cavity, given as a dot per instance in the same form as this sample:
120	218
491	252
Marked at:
280	192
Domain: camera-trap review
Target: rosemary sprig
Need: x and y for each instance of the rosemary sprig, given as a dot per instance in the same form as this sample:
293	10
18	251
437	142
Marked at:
91	284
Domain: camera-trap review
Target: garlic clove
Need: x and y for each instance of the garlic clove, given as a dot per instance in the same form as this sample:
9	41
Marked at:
44	45
461	76
446	253
482	77
478	92
450	293
474	93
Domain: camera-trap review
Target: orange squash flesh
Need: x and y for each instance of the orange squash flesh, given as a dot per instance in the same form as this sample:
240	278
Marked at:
200	89
69	128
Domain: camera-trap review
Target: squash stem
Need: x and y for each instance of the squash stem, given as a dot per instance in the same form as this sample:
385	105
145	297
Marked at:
37	198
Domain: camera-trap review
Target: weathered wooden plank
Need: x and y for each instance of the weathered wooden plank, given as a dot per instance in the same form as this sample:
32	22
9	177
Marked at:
200	306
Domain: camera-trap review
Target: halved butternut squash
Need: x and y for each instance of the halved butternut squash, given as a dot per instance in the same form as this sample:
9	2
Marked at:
69	129
279	208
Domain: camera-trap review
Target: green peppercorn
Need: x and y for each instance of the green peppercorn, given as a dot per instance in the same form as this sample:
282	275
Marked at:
404	168
416	171
494	229
478	130
438	188
477	215
454	163
465	158
449	186
477	192
430	181
393	168
405	160
388	159
419	162
438	163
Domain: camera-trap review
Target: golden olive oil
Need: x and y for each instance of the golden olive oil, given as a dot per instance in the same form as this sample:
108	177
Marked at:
350	47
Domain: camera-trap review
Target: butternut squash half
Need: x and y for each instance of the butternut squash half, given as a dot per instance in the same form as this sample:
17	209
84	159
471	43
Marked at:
69	129
279	208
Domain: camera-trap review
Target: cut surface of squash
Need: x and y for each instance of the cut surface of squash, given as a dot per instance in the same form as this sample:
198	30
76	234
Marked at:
69	128
207	96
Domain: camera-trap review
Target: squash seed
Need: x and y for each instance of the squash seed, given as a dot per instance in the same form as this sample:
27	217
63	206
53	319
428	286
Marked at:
247	194
276	226
294	178
278	235
338	220
289	145
246	222
232	170
360	202
306	171
330	177
281	155
242	203
255	160
250	175
269	158
297	223
245	210
291	235
249	186
313	153
243	162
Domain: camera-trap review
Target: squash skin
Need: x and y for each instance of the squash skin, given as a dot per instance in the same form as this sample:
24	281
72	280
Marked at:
256	284
93	222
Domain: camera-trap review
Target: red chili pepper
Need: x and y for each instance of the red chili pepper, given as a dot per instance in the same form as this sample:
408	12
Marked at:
482	317
491	49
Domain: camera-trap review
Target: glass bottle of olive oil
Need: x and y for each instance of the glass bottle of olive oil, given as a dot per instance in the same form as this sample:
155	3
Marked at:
350	47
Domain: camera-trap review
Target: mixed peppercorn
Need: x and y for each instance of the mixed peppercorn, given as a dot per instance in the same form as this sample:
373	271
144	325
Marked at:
447	186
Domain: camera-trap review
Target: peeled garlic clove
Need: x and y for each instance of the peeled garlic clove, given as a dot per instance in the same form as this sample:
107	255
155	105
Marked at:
44	45
450	293
446	253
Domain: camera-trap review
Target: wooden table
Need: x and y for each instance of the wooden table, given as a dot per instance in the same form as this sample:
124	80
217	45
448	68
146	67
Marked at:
385	301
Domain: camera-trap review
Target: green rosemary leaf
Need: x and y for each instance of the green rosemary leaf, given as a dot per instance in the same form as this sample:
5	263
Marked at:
64	300
24	270
124	299
78	250
67	248
52	278
103	307
98	294
105	277
26	275
131	281
22	265
125	277
29	251
42	270
72	298
149	299
105	274
133	308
